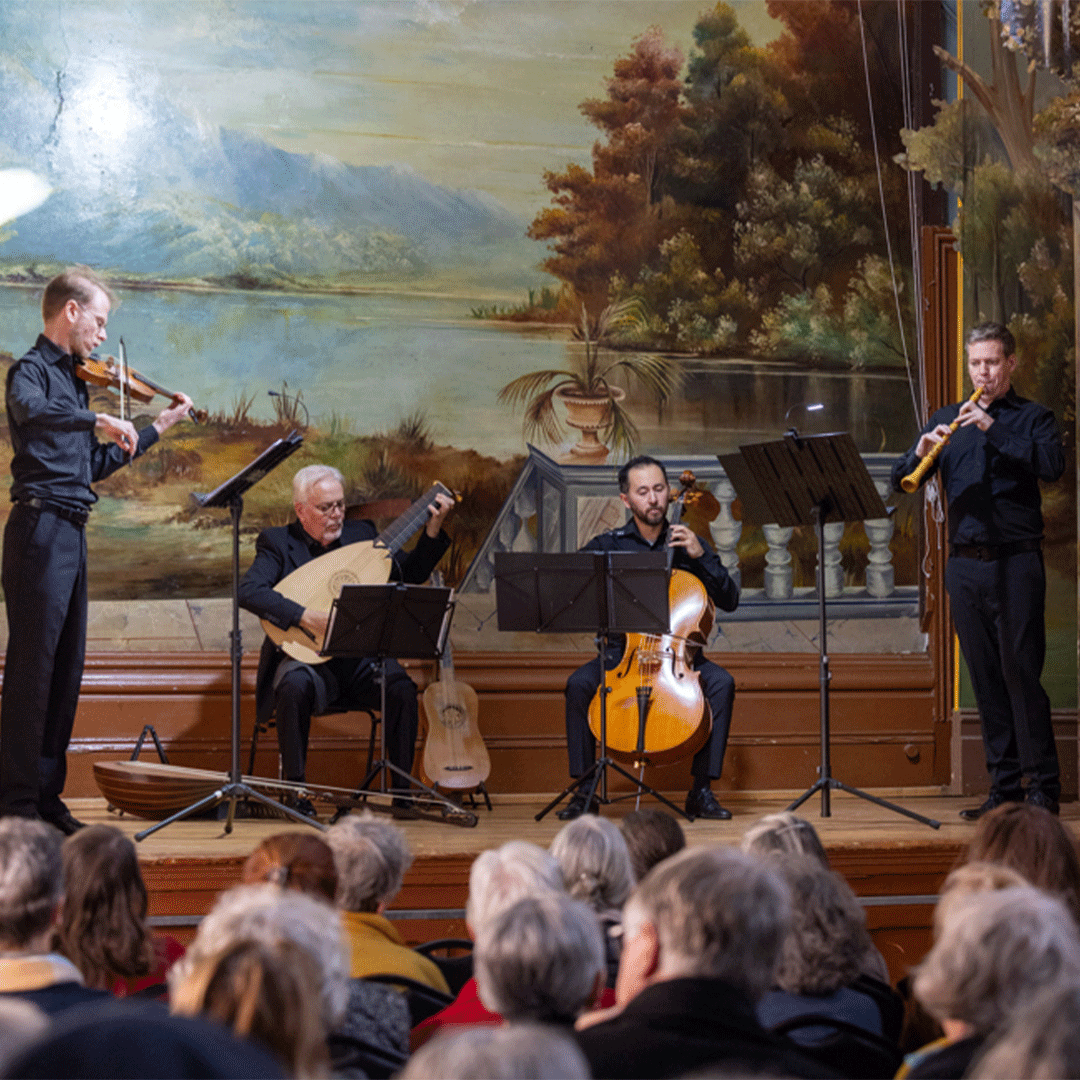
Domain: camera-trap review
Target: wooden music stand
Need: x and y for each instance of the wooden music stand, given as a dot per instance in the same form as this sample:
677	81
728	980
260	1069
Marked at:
811	481
597	592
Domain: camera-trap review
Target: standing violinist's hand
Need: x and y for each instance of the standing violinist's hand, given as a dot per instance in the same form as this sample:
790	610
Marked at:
121	432
180	407
437	512
681	536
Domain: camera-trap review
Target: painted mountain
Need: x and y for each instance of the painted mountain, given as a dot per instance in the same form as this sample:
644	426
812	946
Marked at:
177	200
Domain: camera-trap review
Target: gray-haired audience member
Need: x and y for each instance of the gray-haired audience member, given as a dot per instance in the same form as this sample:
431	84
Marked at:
267	914
784	834
515	1052
371	856
701	938
651	836
542	959
996	951
822	954
596	868
31	889
1040	1042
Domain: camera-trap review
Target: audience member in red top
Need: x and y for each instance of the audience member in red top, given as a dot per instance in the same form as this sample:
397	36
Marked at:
103	929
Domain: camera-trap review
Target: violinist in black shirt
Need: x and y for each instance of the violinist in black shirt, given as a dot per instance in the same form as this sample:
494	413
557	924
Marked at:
57	456
990	472
644	489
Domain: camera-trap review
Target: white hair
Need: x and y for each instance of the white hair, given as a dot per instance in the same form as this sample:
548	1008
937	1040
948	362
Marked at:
595	862
309	476
267	914
501	876
31	880
371	857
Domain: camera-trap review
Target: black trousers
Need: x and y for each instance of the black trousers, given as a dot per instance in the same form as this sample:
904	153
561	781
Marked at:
716	684
999	611
346	684
44	578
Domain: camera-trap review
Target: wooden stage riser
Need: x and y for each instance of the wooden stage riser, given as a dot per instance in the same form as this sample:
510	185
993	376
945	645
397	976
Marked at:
884	733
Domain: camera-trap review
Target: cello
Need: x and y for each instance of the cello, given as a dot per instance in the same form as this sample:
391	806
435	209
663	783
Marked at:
656	711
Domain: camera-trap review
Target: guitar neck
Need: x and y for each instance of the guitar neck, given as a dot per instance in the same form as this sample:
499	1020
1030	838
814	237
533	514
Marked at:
398	533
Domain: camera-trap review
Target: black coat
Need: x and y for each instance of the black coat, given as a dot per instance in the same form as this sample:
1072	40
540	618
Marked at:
281	550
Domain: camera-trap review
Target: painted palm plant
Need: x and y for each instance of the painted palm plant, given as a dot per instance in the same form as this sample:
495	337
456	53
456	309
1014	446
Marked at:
593	402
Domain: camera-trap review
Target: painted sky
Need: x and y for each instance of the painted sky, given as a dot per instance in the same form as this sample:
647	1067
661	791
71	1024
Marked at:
470	93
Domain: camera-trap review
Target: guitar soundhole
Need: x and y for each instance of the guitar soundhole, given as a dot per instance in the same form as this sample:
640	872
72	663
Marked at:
454	716
340	578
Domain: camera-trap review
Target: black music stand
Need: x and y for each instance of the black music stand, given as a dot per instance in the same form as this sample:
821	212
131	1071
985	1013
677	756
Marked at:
811	481
231	494
587	592
408	622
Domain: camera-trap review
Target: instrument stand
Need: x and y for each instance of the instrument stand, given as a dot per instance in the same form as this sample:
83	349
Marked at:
395	620
586	591
230	494
811	481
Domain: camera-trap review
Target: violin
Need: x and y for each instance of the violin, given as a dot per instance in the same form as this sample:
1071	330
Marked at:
112	373
656	711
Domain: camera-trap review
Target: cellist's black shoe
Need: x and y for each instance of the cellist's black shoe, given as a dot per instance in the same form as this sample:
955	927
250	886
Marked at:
701	803
577	806
993	801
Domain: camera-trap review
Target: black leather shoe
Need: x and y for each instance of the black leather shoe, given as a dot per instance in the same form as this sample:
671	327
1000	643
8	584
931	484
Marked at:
701	803
1040	798
993	801
65	822
578	806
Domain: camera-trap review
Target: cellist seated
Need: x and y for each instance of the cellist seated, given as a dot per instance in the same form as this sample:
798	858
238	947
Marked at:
644	490
292	692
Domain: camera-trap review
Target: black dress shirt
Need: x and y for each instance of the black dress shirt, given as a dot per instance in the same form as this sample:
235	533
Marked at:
991	478
56	454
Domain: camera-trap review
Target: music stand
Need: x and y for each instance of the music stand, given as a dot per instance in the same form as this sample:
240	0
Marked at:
408	622
231	494
811	481
587	592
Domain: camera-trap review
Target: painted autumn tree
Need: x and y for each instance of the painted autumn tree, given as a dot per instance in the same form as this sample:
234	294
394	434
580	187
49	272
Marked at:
740	200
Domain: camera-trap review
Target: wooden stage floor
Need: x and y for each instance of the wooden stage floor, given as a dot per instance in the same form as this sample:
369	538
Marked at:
894	864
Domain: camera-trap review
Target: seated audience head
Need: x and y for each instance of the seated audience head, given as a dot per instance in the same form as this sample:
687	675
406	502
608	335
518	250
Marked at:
997	950
594	861
541	959
372	857
512	1052
31	884
827	939
267	993
501	876
1033	842
651	836
268	915
1040	1042
103	929
974	877
294	860
712	913
784	834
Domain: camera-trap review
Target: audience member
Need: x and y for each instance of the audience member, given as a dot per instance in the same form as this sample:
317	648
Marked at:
516	1052
103	929
372	856
596	868
996	951
266	993
784	834
973	877
701	938
21	1024
1040	1042
118	1040
1033	842
651	836
541	960
376	1015
498	878
31	890
821	956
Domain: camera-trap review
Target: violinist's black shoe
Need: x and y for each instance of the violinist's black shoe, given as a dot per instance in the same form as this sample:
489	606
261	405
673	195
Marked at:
577	806
993	801
1035	797
701	803
64	821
